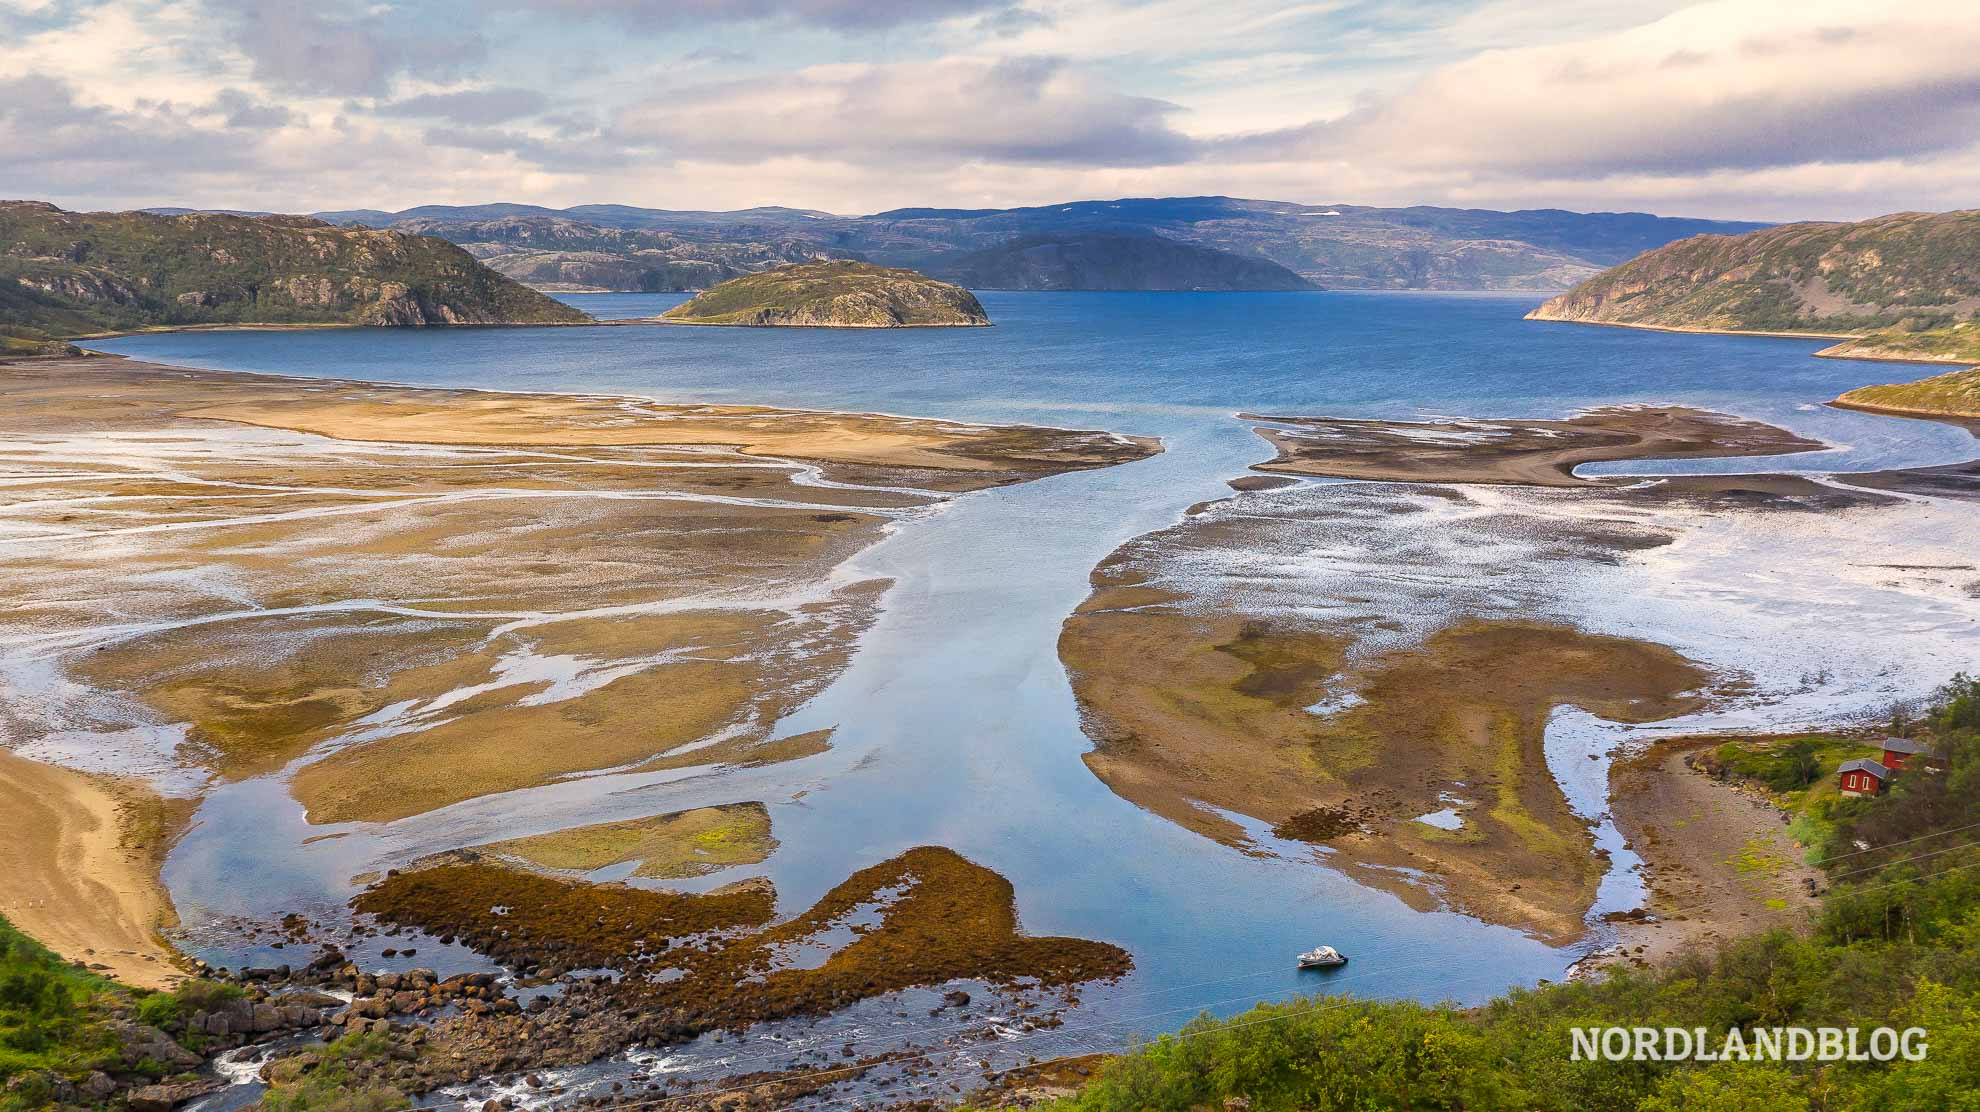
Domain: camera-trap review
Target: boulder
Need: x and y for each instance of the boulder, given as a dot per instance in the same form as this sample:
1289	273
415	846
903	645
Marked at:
97	1086
140	1042
171	1094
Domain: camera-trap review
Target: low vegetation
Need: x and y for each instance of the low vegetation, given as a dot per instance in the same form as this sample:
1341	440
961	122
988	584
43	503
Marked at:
68	1035
1903	286
838	294
1896	943
67	274
1954	395
322	1079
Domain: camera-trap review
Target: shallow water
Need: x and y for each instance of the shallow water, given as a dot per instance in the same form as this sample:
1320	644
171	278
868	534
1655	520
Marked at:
955	722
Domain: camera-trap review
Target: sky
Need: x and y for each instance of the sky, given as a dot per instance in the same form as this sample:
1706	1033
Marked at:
1739	109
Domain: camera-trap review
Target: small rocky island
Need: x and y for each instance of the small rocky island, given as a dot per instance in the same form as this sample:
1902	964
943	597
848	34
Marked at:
835	294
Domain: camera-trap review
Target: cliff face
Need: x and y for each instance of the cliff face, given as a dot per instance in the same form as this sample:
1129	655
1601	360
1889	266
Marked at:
1902	286
1099	261
66	274
837	294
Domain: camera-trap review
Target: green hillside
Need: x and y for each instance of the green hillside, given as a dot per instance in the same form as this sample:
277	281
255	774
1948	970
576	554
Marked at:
837	294
68	274
1900	286
1956	394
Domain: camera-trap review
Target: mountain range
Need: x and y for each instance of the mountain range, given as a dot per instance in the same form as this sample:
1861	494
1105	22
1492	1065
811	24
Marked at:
1332	246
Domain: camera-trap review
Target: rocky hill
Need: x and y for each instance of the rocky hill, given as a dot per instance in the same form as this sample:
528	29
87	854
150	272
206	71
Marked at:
1338	246
69	274
840	294
572	256
1905	286
1112	261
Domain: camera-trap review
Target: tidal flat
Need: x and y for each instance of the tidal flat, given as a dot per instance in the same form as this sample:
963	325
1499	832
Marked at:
952	723
1373	669
393	600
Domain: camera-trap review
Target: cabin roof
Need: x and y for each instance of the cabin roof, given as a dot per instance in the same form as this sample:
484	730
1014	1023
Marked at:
1865	764
1906	745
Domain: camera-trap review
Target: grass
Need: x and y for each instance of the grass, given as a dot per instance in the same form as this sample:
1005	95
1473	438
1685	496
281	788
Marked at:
327	1079
1798	772
58	1020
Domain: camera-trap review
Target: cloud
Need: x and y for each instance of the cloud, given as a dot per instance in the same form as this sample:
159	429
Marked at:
55	139
715	55
1023	111
474	106
341	47
839	15
1726	85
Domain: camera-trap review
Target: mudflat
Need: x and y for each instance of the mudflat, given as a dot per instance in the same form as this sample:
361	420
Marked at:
1389	706
1531	452
1460	719
395	599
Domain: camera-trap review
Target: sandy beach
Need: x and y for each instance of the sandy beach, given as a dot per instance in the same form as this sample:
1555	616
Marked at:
1718	860
80	856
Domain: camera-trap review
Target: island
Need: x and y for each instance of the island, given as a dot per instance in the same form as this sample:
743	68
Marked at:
836	294
70	274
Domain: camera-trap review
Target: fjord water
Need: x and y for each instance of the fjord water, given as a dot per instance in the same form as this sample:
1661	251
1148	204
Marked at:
955	722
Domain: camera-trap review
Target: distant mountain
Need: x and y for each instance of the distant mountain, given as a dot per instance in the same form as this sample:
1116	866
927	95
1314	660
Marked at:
1901	286
1112	261
67	274
837	294
1345	246
566	255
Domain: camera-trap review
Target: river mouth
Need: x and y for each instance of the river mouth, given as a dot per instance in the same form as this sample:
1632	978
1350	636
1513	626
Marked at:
953	722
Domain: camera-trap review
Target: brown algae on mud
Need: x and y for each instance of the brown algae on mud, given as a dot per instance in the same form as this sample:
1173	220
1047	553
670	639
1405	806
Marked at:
1194	716
924	918
666	847
525	919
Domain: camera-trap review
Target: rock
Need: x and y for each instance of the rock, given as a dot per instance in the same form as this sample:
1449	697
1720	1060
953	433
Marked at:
165	1097
267	1018
140	1042
956	999
97	1086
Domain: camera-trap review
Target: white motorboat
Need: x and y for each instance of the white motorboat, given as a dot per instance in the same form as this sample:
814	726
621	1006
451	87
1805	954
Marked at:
1322	957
